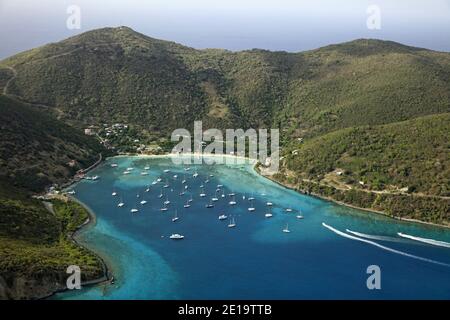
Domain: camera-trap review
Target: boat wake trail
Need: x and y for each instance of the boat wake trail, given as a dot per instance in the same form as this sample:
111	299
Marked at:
426	240
381	238
345	235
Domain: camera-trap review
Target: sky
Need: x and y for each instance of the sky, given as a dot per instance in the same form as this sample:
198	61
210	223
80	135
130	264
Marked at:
289	25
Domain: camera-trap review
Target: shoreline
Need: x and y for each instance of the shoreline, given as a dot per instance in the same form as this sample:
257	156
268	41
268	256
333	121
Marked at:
90	222
381	213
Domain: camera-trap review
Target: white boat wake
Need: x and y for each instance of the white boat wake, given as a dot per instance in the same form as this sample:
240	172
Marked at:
382	238
345	235
426	240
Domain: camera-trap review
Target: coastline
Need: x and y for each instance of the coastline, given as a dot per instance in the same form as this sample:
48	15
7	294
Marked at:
90	222
382	213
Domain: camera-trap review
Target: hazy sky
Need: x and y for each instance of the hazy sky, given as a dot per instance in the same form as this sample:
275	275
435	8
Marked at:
291	25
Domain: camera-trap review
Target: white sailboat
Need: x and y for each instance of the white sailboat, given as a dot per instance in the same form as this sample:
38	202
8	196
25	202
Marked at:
134	210
269	214
161	194
146	168
166	170
167	200
114	193
187	205
120	204
175	218
269	204
210	205
223	217
251	198
232	223
288	210
114	165
191	199
232	202
164	208
202	193
251	208
286	229
176	236
215	197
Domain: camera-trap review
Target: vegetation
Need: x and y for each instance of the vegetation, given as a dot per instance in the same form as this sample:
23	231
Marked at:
365	122
37	150
35	249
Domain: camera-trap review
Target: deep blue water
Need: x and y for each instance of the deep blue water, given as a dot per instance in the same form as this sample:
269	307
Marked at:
255	260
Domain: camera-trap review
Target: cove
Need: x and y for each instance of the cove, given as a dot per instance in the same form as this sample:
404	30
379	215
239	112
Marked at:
255	259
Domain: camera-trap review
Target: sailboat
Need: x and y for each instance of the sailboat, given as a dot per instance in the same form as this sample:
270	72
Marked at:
202	194
223	193
269	204
114	193
210	204
269	214
164	208
251	198
144	173
167	200
215	197
120	204
232	223
222	217
166	170
184	179
288	210
252	208
233	201
175	218
134	210
167	184
161	194
187	205
147	168
158	180
191	199
114	165
286	229
243	196
154	182
143	201
299	216
147	189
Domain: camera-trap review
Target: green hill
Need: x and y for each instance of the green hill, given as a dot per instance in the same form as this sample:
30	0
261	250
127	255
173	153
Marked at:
401	168
35	151
373	117
118	75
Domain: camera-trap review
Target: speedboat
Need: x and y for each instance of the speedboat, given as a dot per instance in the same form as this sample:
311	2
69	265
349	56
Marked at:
222	217
134	210
114	165
268	215
143	202
166	170
269	204
120	204
147	168
144	173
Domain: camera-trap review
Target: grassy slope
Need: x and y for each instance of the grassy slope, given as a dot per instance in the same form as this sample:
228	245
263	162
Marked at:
34	249
412	154
120	75
36	148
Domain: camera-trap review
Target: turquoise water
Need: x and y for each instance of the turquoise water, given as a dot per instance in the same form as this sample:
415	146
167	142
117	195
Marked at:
254	260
